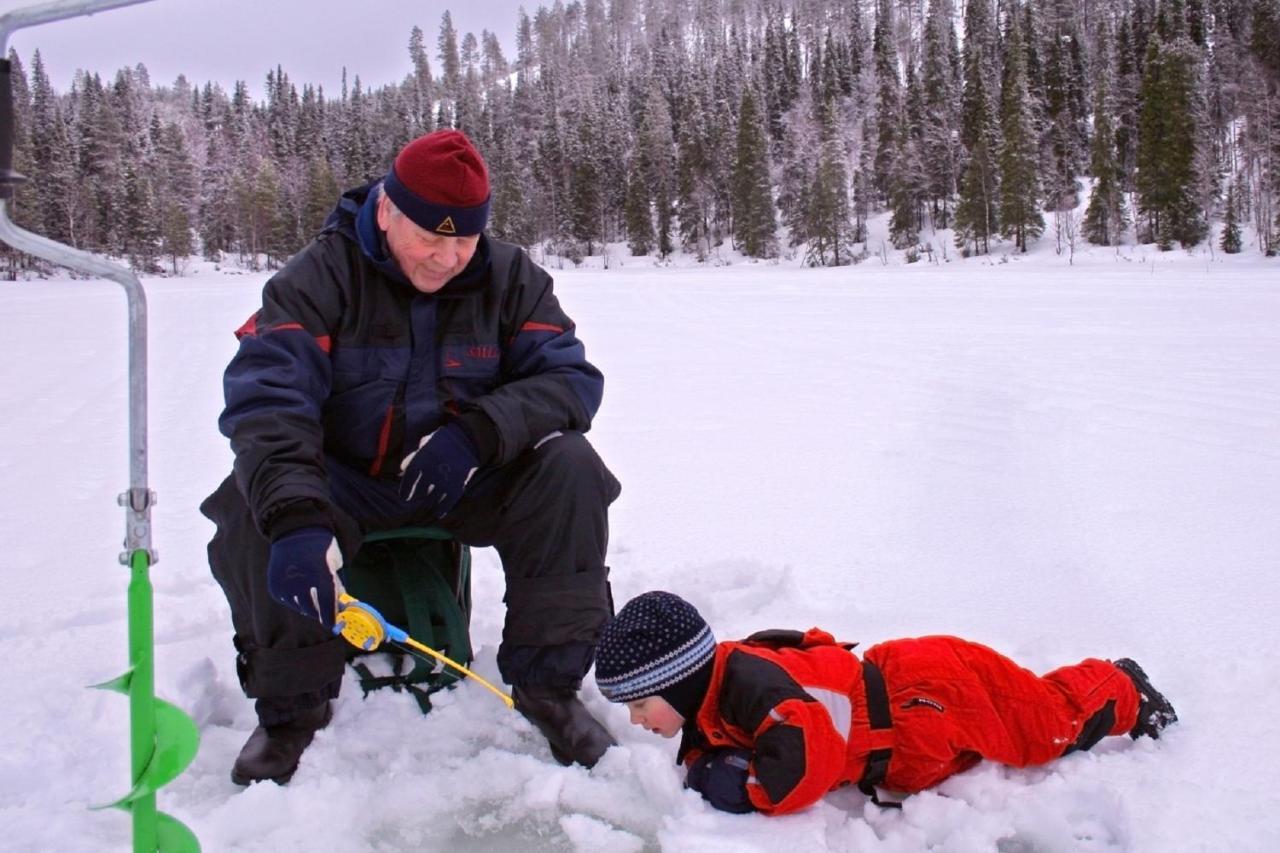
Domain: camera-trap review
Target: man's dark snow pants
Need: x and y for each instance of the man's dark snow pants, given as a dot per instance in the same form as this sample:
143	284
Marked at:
546	513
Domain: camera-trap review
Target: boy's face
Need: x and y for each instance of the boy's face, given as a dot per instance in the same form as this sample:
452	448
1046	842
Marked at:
655	714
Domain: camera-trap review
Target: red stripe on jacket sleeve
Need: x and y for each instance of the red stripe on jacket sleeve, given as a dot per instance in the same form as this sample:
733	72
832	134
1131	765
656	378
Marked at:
541	327
249	328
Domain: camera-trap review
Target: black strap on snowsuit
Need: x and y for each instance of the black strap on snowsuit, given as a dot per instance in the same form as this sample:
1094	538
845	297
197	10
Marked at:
878	714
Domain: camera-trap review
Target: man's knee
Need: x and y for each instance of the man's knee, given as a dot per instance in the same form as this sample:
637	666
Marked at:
567	456
229	512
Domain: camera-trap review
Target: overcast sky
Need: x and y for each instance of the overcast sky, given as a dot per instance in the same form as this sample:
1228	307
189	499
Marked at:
229	40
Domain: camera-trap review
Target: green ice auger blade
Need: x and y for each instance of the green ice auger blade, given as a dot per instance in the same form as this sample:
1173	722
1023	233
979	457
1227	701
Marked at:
163	738
174	836
176	742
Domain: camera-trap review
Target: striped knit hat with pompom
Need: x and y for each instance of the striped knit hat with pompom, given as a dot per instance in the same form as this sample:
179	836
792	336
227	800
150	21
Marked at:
657	645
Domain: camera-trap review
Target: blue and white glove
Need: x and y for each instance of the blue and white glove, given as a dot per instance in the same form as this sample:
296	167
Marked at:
720	775
302	573
434	476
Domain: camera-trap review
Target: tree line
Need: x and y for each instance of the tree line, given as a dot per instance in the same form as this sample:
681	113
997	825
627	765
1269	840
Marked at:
677	125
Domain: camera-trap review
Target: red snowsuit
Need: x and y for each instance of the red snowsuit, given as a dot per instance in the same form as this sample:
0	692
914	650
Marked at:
799	703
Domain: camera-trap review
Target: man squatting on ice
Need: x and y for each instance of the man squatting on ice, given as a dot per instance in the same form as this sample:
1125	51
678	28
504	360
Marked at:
403	332
773	722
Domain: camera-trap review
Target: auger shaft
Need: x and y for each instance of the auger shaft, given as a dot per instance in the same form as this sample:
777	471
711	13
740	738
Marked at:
142	708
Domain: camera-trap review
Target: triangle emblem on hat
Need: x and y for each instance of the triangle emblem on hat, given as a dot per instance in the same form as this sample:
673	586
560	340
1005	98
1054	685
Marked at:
447	226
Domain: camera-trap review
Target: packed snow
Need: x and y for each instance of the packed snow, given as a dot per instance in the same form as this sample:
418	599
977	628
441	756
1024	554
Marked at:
1058	460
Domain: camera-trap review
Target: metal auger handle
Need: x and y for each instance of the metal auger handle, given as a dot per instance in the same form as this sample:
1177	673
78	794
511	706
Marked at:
57	10
139	498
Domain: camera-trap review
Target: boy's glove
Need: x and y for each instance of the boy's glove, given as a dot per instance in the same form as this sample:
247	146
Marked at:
720	775
302	573
434	476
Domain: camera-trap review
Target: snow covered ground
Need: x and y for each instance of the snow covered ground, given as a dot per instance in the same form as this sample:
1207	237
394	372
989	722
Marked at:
1061	461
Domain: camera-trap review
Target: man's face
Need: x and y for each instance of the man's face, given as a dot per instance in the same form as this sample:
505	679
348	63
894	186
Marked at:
427	259
655	714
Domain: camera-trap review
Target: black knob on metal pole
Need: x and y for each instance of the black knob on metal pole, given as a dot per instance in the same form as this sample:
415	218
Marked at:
8	178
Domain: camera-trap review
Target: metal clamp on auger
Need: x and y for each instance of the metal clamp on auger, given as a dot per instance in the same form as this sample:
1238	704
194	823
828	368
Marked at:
362	626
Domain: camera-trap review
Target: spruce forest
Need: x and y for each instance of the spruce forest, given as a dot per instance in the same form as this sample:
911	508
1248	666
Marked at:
775	128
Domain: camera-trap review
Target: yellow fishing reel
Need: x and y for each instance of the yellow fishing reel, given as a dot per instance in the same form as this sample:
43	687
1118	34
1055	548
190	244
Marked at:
360	624
364	627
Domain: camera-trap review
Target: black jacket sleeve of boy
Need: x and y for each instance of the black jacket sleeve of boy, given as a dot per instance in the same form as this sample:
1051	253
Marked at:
799	754
752	688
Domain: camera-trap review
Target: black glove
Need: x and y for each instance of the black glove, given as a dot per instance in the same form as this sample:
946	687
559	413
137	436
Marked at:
720	775
434	476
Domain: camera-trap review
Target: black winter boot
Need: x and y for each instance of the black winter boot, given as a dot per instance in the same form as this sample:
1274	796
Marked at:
272	752
1154	711
574	735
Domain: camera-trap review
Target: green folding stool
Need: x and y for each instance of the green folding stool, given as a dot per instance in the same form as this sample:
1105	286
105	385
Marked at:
418	578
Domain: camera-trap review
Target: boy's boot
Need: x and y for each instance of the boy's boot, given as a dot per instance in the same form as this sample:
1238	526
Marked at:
574	735
1154	711
272	752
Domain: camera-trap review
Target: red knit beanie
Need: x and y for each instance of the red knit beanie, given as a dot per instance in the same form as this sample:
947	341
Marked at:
439	181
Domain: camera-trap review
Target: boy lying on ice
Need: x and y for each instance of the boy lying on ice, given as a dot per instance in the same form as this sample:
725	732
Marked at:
773	722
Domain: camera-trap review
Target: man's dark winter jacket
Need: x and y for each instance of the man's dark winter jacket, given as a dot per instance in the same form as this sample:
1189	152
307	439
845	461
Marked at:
346	366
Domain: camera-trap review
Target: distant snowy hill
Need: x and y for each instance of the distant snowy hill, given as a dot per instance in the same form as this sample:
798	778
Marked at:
1060	461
